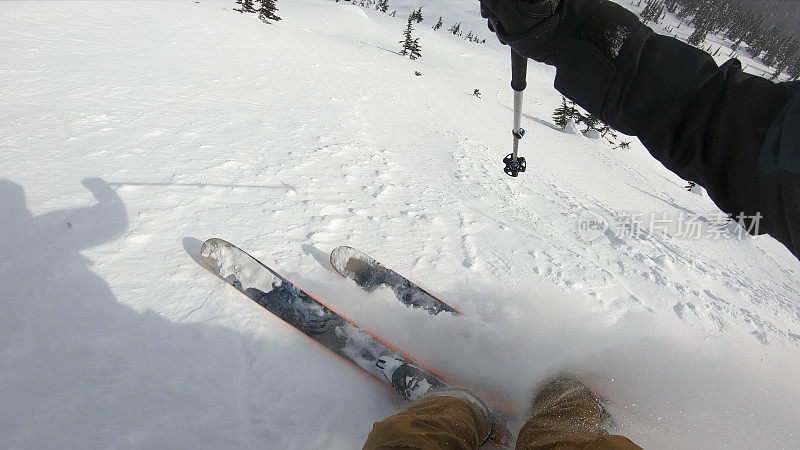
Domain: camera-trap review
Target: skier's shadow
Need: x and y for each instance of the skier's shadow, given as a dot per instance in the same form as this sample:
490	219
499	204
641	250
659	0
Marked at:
79	368
54	319
63	232
321	257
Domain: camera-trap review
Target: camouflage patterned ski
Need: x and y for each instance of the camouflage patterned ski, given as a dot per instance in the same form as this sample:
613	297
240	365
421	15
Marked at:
371	274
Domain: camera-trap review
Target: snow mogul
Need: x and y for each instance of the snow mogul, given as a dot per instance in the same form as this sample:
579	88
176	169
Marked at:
735	134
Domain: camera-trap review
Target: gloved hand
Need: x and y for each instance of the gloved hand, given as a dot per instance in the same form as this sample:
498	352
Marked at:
528	26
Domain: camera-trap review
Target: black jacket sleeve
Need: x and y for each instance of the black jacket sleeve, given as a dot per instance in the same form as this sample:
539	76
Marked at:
706	123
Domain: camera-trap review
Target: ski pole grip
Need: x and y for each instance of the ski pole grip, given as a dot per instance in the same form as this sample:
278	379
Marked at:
519	71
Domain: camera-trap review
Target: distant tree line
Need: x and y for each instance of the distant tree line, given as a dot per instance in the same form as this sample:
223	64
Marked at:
775	45
416	17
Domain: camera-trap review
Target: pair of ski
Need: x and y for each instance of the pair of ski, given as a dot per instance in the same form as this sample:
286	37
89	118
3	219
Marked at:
409	378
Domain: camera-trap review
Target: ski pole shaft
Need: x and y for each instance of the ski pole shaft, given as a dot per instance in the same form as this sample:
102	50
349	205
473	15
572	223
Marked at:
519	75
519	72
517	122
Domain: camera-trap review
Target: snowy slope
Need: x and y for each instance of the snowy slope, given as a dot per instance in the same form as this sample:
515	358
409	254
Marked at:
131	131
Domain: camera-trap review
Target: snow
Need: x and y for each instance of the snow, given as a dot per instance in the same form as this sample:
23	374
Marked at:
132	131
572	128
592	134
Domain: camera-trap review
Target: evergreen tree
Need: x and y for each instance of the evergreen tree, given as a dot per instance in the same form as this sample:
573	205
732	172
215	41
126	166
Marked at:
407	40
417	15
247	6
455	29
416	50
438	24
778	71
698	35
565	112
794	69
652	12
267	11
382	6
591	121
411	45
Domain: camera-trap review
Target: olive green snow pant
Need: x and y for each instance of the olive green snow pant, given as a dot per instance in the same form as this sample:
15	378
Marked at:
563	417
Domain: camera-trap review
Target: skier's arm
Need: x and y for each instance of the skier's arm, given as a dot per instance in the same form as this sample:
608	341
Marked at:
93	225
704	122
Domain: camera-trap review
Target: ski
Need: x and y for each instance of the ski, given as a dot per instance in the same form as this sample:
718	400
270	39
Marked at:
371	274
409	378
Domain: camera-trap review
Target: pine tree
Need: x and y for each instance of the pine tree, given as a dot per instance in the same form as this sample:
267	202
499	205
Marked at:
698	35
411	45
382	6
794	68
438	24
247	6
560	114
417	15
565	112
777	73
605	129
591	121
267	11
455	29
652	12
416	50
407	40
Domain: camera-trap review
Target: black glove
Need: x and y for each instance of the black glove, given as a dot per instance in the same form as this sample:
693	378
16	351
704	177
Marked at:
528	26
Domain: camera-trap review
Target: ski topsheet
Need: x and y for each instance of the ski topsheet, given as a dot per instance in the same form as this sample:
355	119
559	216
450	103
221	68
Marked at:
329	328
371	274
282	298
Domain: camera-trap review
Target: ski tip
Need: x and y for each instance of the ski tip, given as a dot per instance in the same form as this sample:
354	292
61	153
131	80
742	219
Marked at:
213	243
210	249
339	257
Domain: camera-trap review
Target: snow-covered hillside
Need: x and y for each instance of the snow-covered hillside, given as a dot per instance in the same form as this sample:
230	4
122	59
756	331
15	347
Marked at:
132	131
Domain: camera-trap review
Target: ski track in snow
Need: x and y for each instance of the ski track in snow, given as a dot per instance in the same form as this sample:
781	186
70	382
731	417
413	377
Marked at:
131	133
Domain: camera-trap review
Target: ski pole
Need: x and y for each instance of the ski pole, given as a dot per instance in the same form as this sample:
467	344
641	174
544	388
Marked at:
519	72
